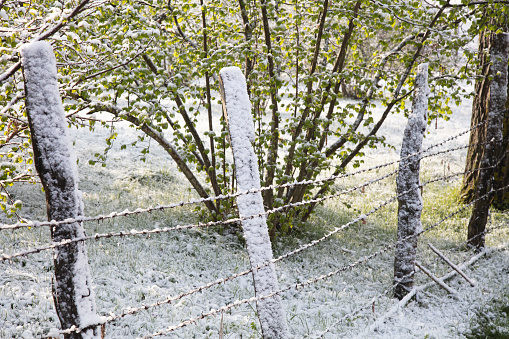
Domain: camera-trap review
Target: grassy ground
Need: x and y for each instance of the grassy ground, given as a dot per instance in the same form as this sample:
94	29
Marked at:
131	271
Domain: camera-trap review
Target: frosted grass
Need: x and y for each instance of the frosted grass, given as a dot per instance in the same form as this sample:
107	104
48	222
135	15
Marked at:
128	272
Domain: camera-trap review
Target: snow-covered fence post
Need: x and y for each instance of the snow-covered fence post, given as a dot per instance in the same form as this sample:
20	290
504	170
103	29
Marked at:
494	135
410	204
55	163
237	111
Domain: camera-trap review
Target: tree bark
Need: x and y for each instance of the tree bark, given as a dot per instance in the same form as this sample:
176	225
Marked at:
499	52
501	175
274	129
479	115
480	109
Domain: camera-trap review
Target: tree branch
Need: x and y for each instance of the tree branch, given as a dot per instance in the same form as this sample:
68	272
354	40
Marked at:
338	68
166	145
309	89
181	32
14	68
274	130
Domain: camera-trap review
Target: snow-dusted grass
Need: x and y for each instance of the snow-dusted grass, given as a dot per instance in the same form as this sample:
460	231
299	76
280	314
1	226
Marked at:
132	271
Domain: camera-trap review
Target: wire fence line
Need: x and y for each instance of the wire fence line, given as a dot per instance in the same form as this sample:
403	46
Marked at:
35	223
126	212
350	315
312	280
133	232
486	231
302	248
5	256
321	334
254	299
132	311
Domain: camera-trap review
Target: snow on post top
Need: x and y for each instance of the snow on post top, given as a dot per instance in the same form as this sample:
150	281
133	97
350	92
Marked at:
237	102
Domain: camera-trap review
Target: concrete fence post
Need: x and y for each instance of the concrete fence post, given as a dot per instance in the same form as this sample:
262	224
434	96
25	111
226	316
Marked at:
410	203
237	111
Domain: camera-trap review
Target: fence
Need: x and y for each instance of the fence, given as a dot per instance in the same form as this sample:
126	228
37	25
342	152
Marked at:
266	262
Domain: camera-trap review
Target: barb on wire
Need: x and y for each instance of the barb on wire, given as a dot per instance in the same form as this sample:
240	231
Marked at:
126	212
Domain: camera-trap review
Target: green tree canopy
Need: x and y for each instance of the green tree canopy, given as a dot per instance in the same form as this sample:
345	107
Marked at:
154	64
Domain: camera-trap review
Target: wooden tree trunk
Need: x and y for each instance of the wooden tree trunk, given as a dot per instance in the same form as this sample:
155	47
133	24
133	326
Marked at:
237	109
55	163
479	114
501	175
499	53
480	109
410	203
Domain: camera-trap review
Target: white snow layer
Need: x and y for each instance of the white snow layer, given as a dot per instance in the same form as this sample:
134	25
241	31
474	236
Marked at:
242	134
47	118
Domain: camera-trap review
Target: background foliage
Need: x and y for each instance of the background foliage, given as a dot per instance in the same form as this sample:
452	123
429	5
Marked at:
155	64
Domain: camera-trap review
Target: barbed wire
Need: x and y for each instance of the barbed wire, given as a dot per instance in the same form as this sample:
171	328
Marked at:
183	227
358	310
282	257
351	314
255	299
127	212
486	231
302	248
462	208
133	232
312	280
456	136
274	260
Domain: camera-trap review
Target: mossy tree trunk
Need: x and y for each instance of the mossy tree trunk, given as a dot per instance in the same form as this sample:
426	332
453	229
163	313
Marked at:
477	140
501	175
498	47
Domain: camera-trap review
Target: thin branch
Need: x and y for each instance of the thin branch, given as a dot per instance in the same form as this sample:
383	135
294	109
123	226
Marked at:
181	32
306	170
167	146
274	129
309	89
115	67
211	170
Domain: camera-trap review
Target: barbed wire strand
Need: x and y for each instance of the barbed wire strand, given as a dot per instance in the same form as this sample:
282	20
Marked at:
360	309
133	232
485	232
127	212
351	314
